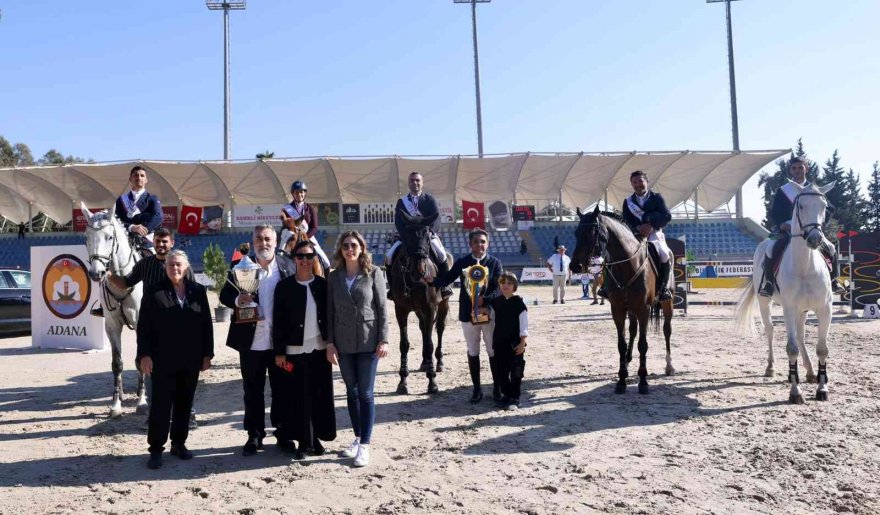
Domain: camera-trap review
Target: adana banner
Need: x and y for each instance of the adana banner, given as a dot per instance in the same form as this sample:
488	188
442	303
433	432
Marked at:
61	295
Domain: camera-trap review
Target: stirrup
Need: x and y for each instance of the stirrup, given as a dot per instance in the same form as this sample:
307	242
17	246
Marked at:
836	287
97	311
766	289
664	294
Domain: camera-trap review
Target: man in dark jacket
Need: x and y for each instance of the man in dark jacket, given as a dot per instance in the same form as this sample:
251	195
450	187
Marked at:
253	340
781	212
646	213
418	203
479	242
139	210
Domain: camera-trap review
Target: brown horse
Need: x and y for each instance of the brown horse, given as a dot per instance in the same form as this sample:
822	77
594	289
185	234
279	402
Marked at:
299	234
631	286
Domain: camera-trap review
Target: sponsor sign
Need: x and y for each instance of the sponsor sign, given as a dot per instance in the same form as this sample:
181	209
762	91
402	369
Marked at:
524	216
377	213
61	295
351	213
252	216
169	217
720	270
447	211
328	214
535	274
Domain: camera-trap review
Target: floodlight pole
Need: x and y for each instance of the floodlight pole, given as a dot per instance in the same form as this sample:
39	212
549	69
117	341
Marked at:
733	116
215	5
476	70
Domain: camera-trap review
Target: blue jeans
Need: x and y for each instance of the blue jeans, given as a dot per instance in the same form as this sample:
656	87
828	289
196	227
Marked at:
359	373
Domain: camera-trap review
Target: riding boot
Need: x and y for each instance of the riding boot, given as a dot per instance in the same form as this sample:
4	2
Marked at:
662	281
769	284
496	384
603	291
474	367
831	253
442	270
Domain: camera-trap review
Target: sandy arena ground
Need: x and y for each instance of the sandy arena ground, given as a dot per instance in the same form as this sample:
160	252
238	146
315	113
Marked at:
717	437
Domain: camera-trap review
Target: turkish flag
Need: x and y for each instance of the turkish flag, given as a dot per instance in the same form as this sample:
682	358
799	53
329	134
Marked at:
473	215
190	220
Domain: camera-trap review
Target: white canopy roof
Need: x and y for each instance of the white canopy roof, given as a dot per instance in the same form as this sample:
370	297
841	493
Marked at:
581	178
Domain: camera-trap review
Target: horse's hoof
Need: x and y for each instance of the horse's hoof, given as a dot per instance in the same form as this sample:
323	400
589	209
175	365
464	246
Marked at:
433	388
796	399
402	389
811	377
821	395
115	412
143	409
620	388
769	372
669	370
643	388
439	367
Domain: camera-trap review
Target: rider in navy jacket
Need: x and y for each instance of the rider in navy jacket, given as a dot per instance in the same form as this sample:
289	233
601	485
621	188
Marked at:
139	210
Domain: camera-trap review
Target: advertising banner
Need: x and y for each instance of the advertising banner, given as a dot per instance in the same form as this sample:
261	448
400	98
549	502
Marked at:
865	269
61	295
535	274
351	213
377	213
169	217
79	221
328	214
447	211
252	216
524	216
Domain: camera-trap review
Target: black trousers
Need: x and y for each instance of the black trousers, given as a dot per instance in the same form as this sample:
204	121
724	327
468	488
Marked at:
306	408
510	368
172	400
255	364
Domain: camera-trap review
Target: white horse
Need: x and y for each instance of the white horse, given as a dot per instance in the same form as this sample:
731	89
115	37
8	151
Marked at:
109	249
804	285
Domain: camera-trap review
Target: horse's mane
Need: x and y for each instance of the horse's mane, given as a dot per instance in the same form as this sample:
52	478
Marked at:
616	216
101	218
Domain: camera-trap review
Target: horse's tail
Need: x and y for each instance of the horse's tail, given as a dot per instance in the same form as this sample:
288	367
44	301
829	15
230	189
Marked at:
745	309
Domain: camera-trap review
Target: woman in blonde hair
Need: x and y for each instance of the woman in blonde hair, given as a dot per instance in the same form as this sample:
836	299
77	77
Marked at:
357	334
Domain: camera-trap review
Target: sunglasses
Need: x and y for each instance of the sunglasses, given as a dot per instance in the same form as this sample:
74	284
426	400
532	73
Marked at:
305	256
351	246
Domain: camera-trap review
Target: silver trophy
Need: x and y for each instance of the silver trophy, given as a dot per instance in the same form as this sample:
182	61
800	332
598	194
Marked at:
246	279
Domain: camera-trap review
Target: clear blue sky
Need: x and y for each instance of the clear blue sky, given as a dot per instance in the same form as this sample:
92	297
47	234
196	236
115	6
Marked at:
117	80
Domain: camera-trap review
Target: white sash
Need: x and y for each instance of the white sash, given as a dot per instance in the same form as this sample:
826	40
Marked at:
131	209
634	208
412	205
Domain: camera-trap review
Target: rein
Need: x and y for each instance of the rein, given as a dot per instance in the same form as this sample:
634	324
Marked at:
805	229
107	261
608	265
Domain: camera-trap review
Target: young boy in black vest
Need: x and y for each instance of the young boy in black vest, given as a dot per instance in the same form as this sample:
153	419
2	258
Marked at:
509	339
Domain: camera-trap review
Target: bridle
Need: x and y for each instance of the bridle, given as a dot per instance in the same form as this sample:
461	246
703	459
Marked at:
806	229
107	261
608	266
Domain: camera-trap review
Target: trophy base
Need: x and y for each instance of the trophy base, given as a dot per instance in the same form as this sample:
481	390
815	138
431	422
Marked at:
248	315
479	319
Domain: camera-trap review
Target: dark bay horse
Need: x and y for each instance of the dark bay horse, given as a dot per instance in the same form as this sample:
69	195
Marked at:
631	281
412	263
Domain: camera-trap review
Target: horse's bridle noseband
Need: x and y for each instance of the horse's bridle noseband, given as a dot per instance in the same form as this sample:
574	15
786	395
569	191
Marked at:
805	229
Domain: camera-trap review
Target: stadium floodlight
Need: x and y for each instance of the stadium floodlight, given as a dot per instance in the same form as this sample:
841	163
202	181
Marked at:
214	5
476	70
734	121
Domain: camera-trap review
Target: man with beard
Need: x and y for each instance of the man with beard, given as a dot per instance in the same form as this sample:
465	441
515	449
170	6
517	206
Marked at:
253	341
139	210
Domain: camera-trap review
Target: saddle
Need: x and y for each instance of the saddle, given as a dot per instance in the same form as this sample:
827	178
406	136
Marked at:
782	240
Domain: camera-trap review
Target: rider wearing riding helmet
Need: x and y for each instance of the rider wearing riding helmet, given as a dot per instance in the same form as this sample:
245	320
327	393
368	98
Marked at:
299	208
781	214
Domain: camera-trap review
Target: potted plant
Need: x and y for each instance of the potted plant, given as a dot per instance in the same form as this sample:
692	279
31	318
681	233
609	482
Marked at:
216	267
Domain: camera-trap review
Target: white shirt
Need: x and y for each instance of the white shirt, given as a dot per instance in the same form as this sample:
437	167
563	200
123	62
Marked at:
134	210
311	333
266	292
559	263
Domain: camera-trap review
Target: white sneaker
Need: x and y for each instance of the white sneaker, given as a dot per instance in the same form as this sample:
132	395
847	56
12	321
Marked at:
352	450
363	456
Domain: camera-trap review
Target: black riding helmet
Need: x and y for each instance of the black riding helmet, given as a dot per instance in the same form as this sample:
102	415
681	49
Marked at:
298	185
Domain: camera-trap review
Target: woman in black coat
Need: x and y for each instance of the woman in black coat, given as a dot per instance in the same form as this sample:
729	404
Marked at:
175	341
299	334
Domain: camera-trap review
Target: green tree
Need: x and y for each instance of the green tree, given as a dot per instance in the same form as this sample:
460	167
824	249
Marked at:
845	197
23	155
772	182
872	206
55	158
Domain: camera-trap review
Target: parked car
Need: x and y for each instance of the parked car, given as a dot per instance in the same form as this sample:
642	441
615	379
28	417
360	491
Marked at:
15	300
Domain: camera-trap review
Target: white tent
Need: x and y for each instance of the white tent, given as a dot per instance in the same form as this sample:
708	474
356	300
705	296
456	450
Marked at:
580	179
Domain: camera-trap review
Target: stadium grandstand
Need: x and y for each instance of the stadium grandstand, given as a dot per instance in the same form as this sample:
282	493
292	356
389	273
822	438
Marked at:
699	184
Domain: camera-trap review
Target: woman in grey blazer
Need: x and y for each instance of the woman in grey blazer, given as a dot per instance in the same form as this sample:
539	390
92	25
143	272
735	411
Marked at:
357	334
